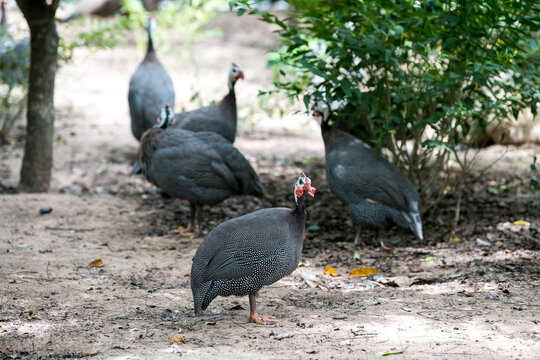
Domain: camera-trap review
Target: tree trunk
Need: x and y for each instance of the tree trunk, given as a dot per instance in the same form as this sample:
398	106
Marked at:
37	160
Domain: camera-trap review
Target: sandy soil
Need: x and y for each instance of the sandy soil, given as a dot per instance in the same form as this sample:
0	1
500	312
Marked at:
440	299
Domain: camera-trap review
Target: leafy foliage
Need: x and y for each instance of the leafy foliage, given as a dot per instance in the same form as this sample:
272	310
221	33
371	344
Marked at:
188	17
415	77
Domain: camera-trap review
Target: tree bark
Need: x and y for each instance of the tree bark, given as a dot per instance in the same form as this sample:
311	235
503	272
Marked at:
38	149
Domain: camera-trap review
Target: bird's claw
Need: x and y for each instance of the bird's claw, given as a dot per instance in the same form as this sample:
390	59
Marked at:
263	320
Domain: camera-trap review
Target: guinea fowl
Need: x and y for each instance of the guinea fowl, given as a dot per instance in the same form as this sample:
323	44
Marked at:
202	167
14	57
376	191
242	255
220	117
150	89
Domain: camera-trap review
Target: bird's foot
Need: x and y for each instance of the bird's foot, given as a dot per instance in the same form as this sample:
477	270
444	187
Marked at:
262	320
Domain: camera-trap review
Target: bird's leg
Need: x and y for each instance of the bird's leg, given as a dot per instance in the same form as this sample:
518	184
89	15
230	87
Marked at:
376	241
193	210
254	317
357	236
199	220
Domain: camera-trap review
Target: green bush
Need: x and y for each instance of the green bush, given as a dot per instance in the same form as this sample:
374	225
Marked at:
414	77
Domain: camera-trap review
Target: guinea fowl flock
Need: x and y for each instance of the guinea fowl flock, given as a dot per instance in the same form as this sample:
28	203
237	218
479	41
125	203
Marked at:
191	156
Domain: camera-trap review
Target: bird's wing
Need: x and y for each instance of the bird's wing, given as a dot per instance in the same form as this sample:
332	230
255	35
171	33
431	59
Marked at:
239	247
181	156
362	173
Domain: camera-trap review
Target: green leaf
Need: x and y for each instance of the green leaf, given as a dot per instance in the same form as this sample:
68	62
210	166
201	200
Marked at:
391	352
429	258
313	228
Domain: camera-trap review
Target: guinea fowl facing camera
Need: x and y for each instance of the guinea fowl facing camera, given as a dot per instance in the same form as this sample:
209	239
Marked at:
376	191
201	167
242	255
150	89
220	117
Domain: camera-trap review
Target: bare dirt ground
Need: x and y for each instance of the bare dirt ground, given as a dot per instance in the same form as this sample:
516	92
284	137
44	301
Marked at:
440	299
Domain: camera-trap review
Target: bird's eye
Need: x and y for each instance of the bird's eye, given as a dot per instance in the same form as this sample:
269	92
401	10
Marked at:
301	182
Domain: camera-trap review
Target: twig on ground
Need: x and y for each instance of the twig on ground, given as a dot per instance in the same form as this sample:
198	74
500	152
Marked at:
67	229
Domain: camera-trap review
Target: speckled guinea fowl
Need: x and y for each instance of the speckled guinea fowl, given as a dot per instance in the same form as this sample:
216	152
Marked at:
242	255
150	89
220	117
376	191
202	167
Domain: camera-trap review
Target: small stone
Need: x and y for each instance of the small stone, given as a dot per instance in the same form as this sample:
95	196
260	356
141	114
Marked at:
45	210
283	336
482	242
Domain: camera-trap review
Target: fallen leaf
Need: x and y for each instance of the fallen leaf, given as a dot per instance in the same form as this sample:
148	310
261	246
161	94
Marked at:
310	279
180	228
30	315
386	247
135	329
179	339
423	278
430	258
391	352
303	263
522	223
96	263
454	239
401	281
363	271
328	270
357	255
508	251
210	323
91	288
322	287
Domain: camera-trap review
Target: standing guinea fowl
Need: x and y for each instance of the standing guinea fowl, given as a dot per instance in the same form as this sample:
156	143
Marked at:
220	117
202	167
150	89
242	255
376	191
